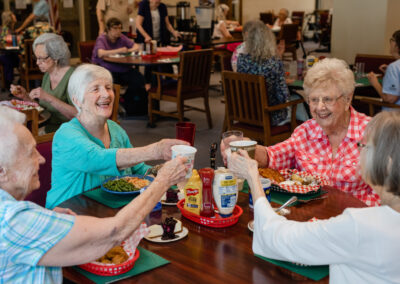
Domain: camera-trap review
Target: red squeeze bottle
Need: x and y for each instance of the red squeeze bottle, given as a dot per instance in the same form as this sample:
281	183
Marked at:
207	176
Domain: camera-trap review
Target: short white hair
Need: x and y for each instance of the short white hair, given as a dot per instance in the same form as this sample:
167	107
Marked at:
330	72
9	144
82	77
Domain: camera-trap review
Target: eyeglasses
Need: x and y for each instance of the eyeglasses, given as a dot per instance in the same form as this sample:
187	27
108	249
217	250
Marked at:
327	101
41	59
361	145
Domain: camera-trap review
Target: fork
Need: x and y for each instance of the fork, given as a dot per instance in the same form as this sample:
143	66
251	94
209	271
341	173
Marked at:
308	200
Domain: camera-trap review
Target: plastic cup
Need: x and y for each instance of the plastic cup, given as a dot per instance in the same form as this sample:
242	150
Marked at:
248	145
232	135
185	151
186	131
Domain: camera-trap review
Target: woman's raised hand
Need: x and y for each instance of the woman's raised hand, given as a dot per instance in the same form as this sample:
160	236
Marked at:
163	147
19	92
173	172
241	164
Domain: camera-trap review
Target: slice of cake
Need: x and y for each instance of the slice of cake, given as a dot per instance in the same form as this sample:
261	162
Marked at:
158	230
172	196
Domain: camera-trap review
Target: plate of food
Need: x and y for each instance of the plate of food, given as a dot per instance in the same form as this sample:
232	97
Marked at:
125	185
294	181
23	105
170	230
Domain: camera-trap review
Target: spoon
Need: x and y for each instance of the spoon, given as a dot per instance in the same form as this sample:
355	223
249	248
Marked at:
287	203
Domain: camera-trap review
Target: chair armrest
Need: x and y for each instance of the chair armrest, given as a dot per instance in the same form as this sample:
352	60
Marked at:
375	101
284	105
170	75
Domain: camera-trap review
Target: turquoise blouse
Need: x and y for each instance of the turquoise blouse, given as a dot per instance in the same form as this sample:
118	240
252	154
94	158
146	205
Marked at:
81	162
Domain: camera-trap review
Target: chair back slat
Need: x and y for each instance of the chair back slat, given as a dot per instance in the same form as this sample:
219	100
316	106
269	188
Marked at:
195	68
245	97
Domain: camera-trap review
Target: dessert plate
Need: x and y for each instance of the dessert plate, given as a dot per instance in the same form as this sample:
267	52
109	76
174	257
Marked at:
180	236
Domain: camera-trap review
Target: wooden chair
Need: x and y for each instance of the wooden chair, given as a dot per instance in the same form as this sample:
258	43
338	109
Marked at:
298	18
373	61
226	65
193	81
114	115
85	50
289	35
32	121
374	104
44	146
2	76
267	18
248	110
28	68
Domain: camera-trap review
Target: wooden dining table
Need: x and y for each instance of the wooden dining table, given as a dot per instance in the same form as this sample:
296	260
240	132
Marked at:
215	255
143	61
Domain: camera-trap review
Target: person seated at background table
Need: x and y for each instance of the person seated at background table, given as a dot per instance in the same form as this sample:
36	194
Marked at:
283	18
90	148
152	23
52	57
260	58
8	60
390	90
40	13
36	242
327	144
114	42
362	244
221	28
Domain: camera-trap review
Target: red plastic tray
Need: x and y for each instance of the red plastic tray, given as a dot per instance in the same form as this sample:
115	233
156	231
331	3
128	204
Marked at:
215	222
150	56
111	270
168	52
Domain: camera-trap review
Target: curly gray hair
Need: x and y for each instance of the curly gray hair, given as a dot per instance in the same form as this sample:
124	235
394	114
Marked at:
55	47
81	78
8	140
330	72
380	159
260	41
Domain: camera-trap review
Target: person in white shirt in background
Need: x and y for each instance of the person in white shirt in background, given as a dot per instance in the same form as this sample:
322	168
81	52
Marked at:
283	18
107	9
362	244
221	28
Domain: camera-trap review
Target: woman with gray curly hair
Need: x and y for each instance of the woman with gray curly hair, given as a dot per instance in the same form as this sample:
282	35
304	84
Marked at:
362	244
327	144
52	57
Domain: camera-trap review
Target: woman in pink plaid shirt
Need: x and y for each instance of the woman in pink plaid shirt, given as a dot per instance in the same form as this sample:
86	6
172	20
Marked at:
327	144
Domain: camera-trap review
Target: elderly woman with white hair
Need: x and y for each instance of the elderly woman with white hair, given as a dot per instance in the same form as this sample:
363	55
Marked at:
91	148
221	28
52	57
362	244
36	242
327	144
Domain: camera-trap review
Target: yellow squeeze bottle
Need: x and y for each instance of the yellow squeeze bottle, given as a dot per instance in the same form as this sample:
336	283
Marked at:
193	193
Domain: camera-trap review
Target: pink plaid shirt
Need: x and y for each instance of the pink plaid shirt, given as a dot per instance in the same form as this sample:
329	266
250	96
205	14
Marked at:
308	149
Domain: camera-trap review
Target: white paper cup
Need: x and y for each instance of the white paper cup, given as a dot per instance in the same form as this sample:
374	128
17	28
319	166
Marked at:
185	151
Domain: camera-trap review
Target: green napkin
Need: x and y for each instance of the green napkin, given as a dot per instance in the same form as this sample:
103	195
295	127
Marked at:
146	261
109	199
282	197
314	272
297	84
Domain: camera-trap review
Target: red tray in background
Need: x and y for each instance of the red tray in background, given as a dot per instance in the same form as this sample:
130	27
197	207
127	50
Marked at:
170	53
150	56
215	222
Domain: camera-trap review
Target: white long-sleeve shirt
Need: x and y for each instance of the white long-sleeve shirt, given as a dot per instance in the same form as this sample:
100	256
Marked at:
361	245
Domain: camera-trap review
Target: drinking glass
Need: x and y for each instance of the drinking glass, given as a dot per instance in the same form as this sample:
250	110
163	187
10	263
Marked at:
186	131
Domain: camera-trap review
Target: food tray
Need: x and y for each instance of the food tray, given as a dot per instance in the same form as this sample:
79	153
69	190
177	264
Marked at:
215	222
111	270
299	189
127	192
150	56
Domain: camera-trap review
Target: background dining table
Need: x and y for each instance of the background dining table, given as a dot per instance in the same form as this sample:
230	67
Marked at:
215	255
143	61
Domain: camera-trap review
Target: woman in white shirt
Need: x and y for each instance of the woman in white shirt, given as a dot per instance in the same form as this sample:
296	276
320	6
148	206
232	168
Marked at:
361	245
283	18
221	28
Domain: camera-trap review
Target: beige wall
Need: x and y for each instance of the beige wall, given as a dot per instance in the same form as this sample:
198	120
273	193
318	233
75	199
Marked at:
392	21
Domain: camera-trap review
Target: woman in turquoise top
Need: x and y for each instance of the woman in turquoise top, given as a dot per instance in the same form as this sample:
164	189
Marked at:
52	57
90	148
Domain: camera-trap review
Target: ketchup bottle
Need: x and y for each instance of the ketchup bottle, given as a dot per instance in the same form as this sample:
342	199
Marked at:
207	176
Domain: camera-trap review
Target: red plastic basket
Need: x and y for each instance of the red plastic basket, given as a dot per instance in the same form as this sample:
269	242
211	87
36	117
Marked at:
111	270
215	222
